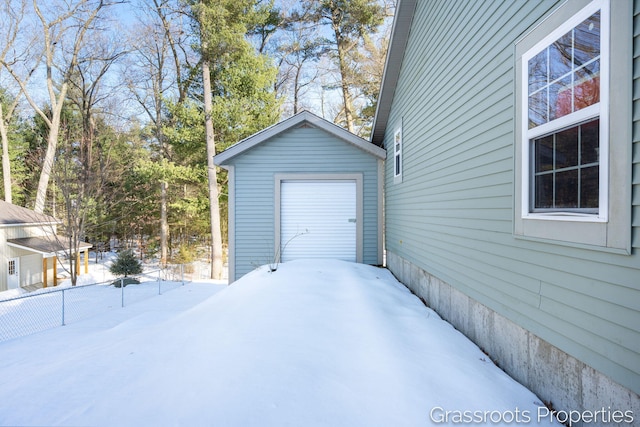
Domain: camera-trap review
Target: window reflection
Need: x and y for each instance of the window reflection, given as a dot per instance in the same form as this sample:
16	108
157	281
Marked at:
560	63
565	76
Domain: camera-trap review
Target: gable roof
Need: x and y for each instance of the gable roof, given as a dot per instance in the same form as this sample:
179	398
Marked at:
17	215
395	54
304	117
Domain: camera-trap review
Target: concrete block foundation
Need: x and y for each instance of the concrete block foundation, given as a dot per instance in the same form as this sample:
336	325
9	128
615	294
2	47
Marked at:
553	375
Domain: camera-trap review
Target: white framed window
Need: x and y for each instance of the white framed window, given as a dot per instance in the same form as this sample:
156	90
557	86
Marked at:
565	116
573	170
397	155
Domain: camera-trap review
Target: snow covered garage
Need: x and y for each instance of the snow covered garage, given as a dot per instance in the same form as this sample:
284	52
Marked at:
303	188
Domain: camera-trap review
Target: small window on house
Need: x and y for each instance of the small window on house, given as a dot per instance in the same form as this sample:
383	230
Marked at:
12	268
397	153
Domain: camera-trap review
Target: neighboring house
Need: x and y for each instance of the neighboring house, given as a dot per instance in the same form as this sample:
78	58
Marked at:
303	188
512	192
29	248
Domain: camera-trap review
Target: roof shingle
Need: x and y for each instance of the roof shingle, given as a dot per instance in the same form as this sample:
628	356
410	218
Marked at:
14	215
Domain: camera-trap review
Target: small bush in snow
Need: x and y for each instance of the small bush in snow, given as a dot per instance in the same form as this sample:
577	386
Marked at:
125	264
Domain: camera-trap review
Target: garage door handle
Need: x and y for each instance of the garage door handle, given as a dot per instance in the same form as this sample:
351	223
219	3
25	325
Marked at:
352	220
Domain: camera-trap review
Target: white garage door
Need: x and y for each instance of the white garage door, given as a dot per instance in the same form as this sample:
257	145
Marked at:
318	219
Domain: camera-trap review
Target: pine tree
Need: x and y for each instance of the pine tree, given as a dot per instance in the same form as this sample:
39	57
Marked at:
126	263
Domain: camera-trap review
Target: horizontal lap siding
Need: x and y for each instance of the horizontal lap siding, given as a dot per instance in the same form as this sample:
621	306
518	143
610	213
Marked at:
301	150
452	215
636	127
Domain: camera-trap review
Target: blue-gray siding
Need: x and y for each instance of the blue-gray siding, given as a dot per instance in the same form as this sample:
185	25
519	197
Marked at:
453	213
300	150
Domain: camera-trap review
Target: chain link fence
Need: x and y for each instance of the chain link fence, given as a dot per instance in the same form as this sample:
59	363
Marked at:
52	307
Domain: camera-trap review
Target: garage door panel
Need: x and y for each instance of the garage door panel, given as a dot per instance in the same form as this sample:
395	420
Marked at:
318	220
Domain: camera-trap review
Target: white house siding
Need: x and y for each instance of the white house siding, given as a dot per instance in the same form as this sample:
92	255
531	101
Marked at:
3	260
299	150
30	269
30	264
449	223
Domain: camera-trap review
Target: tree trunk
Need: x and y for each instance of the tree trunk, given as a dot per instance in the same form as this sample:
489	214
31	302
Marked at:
216	233
346	96
6	166
164	224
47	164
296	90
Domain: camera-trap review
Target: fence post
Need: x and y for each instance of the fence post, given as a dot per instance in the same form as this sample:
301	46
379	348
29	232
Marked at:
63	307
182	274
122	290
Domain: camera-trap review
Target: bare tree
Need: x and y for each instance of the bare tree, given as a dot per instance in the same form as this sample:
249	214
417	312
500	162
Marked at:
300	47
64	25
81	176
156	75
13	14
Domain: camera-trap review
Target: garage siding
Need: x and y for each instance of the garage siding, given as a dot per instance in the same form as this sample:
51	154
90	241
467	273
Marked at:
298	150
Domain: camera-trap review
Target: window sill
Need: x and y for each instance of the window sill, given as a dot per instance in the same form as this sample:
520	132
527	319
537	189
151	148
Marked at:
570	230
564	216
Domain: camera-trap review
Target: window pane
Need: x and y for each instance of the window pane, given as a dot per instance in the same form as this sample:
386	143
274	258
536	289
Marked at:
565	76
560	57
587	40
565	168
538	109
589	187
567	148
544	191
589	142
538	71
567	189
543	154
587	86
560	98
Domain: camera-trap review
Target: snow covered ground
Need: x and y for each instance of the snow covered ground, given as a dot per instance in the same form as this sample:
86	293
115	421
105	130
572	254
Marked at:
316	343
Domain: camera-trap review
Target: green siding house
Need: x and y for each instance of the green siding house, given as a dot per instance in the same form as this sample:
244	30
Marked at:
512	189
303	188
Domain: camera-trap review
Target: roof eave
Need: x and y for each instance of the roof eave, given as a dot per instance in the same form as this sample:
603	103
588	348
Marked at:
30	224
28	249
27	244
395	54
